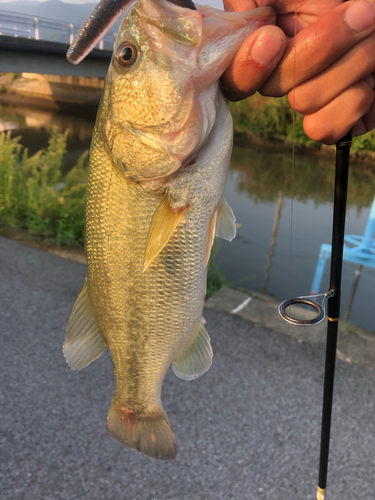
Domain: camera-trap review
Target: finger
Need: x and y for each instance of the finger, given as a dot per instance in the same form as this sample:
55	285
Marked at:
253	63
367	122
291	21
287	20
239	5
354	66
318	46
333	121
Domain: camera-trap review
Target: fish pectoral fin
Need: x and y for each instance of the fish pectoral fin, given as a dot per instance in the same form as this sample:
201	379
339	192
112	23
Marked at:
163	223
210	237
226	222
84	341
196	358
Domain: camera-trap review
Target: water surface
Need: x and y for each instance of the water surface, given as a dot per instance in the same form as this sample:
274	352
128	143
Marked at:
282	224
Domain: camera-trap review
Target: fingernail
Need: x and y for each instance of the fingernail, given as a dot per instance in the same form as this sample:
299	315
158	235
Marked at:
267	48
360	15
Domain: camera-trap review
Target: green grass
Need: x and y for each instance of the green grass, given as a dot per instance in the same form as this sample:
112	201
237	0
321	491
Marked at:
273	118
30	197
270	118
35	197
215	276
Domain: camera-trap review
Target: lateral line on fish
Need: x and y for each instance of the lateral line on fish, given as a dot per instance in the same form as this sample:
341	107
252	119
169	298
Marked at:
241	306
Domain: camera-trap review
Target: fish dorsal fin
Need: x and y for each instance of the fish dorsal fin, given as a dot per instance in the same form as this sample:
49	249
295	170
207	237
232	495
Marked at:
226	222
163	223
84	341
196	358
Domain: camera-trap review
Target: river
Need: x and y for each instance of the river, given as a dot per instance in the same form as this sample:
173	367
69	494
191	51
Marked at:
280	227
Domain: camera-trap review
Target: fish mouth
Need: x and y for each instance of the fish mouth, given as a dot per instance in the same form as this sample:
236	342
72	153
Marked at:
222	35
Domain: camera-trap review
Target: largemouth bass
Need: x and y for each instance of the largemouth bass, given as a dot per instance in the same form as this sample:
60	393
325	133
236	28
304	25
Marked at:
158	167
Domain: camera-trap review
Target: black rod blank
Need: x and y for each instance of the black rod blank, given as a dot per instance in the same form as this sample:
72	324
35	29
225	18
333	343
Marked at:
338	232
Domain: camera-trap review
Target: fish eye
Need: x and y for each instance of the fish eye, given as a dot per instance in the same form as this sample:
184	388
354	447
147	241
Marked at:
126	55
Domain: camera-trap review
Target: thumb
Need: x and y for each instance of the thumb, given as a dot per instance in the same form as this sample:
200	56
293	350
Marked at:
253	63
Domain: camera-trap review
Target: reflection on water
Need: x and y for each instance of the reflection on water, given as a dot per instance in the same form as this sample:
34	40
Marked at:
278	241
281	226
35	125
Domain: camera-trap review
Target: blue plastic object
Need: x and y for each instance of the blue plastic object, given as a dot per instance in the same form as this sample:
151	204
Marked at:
357	249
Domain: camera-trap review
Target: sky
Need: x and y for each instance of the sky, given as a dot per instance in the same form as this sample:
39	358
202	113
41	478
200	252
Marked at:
218	4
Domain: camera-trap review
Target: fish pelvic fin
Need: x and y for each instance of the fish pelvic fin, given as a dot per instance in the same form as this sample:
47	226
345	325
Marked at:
163	224
226	222
197	357
84	341
223	225
210	237
152	435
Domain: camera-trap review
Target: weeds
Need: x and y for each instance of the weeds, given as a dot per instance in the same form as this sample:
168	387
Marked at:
365	142
30	197
215	276
273	118
34	197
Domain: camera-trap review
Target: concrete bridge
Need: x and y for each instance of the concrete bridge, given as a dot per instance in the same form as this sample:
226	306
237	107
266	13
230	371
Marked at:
23	50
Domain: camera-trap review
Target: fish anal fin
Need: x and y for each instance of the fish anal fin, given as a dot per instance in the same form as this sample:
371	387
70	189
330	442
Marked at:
210	237
226	222
84	341
196	358
163	223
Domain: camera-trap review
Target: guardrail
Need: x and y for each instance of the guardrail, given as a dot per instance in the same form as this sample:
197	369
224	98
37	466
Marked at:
23	26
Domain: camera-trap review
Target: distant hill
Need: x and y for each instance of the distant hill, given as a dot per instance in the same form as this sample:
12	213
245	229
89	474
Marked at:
53	9
68	12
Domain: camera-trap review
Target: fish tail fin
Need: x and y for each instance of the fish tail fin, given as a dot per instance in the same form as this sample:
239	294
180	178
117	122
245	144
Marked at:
152	435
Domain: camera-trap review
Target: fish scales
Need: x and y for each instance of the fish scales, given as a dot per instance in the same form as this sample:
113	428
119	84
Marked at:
151	309
158	166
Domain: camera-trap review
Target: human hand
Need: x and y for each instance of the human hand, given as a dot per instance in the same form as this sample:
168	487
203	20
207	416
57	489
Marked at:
257	57
328	78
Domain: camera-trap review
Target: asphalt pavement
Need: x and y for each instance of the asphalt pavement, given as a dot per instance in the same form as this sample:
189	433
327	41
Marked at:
249	429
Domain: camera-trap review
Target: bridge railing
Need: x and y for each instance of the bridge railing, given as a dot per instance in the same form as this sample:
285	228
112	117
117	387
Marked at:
18	25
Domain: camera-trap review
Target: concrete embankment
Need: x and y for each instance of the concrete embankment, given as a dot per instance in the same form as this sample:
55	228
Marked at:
355	344
51	91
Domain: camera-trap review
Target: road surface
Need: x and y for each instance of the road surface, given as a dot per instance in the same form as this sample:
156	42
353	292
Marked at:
247	430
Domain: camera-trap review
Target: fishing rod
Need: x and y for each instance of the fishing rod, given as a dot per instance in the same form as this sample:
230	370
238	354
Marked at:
333	299
333	305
